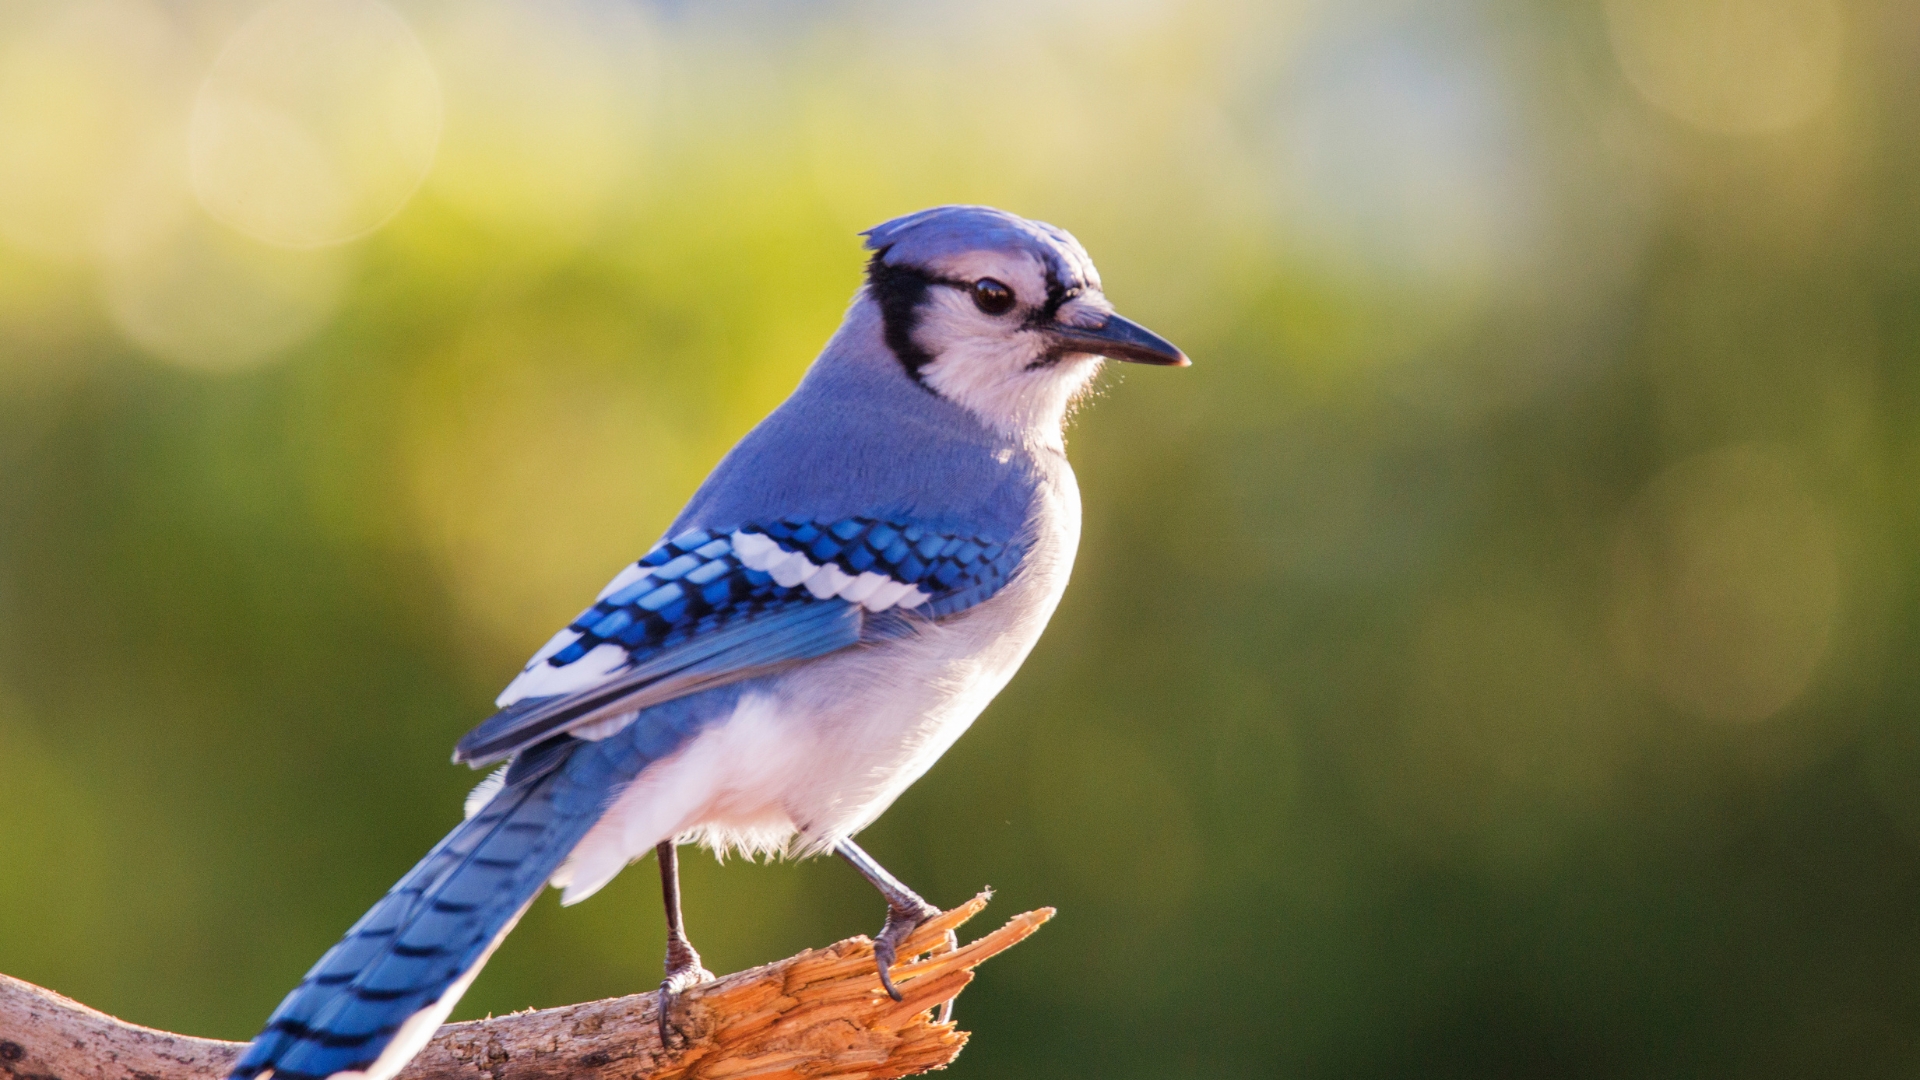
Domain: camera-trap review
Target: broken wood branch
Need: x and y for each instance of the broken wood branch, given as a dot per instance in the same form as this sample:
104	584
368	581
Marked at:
821	1014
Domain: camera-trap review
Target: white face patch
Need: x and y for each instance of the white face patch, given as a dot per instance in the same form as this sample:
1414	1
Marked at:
997	366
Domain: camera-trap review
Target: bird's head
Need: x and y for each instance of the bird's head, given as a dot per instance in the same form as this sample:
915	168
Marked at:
1001	315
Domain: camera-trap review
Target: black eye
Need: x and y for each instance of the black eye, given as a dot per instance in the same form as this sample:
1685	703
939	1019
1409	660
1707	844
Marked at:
992	297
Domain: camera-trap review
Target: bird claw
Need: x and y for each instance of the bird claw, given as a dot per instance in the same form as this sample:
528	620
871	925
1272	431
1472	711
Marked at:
681	977
906	912
900	925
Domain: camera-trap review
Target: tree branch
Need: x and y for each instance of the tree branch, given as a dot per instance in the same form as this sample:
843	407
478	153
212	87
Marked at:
820	1014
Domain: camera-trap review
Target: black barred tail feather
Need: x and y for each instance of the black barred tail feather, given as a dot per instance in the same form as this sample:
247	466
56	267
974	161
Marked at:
376	998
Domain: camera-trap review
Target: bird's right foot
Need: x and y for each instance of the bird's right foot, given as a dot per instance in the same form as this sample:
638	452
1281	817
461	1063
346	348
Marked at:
906	912
902	920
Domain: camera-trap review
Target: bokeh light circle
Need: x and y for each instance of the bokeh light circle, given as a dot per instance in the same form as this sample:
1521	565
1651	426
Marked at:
1727	585
88	130
317	124
1735	66
213	300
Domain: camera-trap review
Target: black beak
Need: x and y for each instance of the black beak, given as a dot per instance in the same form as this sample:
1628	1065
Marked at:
1118	339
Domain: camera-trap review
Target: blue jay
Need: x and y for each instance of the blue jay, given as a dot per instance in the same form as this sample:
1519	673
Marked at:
843	595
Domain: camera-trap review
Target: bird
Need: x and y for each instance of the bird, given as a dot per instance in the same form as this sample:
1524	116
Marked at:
846	591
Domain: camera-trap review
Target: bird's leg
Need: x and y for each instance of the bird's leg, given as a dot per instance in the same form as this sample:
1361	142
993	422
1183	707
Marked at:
683	964
905	912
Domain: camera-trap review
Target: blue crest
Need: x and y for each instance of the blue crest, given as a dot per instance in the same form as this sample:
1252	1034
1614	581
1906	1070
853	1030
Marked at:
919	238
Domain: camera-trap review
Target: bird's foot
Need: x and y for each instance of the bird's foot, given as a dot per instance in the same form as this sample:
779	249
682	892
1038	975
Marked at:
683	973
902	920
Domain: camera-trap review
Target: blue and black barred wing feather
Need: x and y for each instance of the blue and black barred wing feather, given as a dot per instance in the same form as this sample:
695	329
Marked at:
708	608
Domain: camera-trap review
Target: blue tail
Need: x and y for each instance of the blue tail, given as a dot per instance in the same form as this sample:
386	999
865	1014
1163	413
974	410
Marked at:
391	981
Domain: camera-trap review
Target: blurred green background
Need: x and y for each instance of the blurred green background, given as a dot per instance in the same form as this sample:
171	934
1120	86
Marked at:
1494	658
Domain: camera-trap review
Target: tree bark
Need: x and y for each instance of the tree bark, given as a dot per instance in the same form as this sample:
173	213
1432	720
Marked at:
821	1014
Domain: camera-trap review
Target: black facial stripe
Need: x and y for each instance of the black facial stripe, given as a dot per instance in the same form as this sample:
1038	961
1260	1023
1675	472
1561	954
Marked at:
1057	294
898	290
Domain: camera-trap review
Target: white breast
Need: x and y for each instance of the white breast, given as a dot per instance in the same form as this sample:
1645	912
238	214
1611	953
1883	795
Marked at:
820	753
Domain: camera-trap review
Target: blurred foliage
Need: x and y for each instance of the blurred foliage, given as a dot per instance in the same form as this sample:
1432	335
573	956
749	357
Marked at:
1493	658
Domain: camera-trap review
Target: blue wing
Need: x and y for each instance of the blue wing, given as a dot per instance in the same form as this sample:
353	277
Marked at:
708	608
